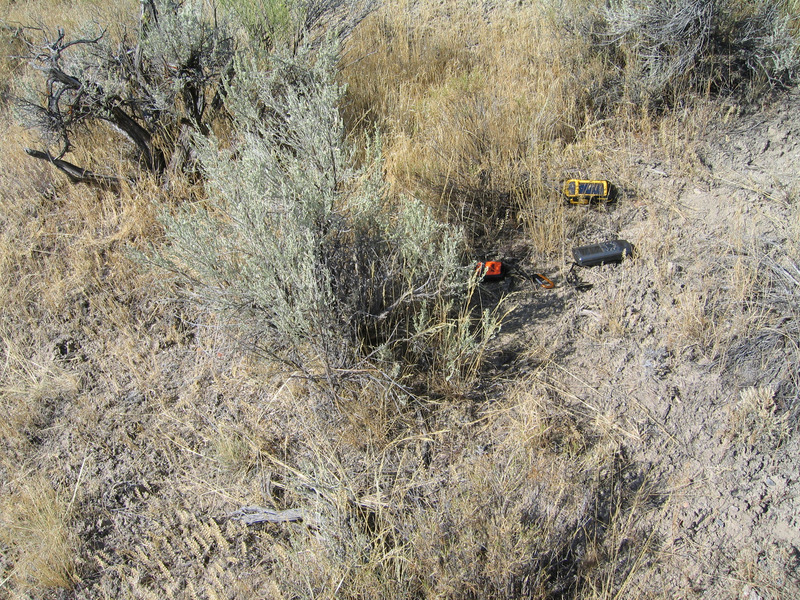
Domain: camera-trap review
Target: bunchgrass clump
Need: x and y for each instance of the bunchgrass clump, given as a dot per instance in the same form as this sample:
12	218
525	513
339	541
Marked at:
36	527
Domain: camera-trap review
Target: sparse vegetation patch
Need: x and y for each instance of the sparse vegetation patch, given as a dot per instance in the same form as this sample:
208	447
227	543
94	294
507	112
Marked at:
246	352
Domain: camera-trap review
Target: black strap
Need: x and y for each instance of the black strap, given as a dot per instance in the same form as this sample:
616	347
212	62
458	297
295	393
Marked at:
576	281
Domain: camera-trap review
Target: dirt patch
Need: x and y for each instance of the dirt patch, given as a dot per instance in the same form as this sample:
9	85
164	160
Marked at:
690	352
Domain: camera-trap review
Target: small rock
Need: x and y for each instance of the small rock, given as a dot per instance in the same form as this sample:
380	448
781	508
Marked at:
751	594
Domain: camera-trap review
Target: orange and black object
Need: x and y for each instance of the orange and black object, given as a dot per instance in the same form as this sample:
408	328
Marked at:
495	270
491	270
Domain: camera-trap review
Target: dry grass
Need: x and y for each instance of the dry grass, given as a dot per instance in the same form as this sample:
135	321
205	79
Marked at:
29	389
36	527
132	428
755	417
51	14
476	105
462	511
485	113
75	329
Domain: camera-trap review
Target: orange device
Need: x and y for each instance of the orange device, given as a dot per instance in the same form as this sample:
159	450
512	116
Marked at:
491	270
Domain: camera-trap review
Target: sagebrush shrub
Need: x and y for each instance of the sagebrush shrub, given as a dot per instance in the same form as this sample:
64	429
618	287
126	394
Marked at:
162	82
271	24
305	253
667	48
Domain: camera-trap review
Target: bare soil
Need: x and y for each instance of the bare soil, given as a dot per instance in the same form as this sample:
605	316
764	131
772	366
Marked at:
688	354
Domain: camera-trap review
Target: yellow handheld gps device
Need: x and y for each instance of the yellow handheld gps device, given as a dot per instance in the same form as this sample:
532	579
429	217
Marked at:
585	191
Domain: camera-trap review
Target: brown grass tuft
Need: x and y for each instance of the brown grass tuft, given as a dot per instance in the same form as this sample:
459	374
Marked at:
36	527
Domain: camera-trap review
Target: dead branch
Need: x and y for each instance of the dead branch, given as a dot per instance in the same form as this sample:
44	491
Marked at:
75	173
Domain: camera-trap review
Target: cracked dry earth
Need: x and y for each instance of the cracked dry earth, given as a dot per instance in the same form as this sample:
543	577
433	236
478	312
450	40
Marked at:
688	356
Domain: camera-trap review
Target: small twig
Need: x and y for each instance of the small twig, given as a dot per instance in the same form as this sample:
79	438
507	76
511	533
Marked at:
78	481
